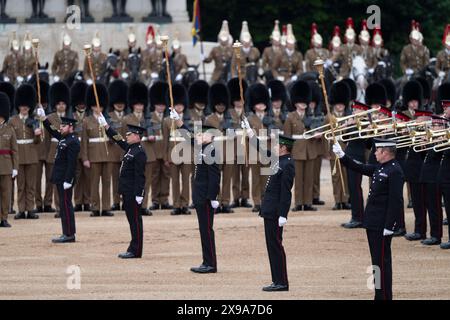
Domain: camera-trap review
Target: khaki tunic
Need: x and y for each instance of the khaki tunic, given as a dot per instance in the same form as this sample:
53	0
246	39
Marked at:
312	55
221	57
9	157
368	55
94	151
98	65
287	66
28	65
26	140
269	57
180	63
443	62
65	63
12	66
152	61
415	58
346	55
247	59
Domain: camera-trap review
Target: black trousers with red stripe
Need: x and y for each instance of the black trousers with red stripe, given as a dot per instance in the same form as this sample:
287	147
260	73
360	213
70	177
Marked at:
418	202
356	195
205	216
66	210
277	256
380	252
133	213
445	188
433	203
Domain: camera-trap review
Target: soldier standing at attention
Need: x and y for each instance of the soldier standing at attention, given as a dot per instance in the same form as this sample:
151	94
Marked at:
13	60
98	60
275	206
131	182
63	174
65	61
9	160
205	189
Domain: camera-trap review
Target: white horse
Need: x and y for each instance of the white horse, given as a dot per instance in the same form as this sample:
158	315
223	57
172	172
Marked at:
359	75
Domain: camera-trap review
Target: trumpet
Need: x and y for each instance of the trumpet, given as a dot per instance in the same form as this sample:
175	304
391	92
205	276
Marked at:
432	138
333	125
369	127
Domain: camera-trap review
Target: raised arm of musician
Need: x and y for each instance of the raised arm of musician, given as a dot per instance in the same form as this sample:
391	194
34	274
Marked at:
50	128
116	137
365	169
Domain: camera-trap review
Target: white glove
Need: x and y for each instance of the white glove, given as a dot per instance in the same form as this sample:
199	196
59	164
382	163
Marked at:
89	82
409	72
371	70
441	74
338	150
282	221
40	112
124	75
67	185
6	79
154	75
246	126
328	63
387	232
102	121
280	78
20	79
382	63
179	77
174	115
139	199
14	173
202	57
56	79
214	204
294	78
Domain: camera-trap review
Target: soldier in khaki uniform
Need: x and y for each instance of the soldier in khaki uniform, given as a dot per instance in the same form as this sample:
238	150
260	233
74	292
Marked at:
82	187
272	53
98	59
28	67
60	103
366	49
160	172
180	63
177	166
65	62
221	55
13	61
94	153
152	57
340	95
9	164
335	43
415	56
249	57
289	65
138	102
45	163
240	175
443	56
302	152
118	99
259	103
348	50
379	52
316	51
28	136
132	48
219	100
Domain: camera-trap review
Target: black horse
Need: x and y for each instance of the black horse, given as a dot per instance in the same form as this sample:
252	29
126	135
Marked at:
251	73
110	67
44	75
190	76
134	65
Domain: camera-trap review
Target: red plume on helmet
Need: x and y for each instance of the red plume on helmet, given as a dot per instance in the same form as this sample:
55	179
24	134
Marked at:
446	34
364	25
377	35
150	31
336	33
350	28
313	29
350	23
284	30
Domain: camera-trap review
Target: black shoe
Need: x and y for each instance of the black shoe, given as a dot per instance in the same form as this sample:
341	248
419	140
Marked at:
276	287
115	207
445	222
256	208
12	212
146	212
128	255
87	207
95	213
235	204
431	241
32	215
414	236
352	224
226	209
445	245
4	224
64	239
155	206
20	215
410	204
175	212
204	269
245	203
346	206
39	209
78	208
166	206
308	207
106	213
49	209
192	206
298	207
185	211
337	206
318	202
399	233
57	215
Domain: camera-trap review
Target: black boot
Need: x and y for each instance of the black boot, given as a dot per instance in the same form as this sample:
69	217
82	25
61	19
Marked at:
226	209
235	204
166	206
106	213
318	202
146	212
400	232
49	209
95	213
346	206
245	203
39	209
20	215
32	215
78	208
308	207
115	207
4	224
155	206
337	206
298	207
87	207
256	208
185	211
175	212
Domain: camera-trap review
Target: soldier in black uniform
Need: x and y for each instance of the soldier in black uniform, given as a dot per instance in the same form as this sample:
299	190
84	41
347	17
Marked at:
131	182
205	189
275	205
384	205
64	168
